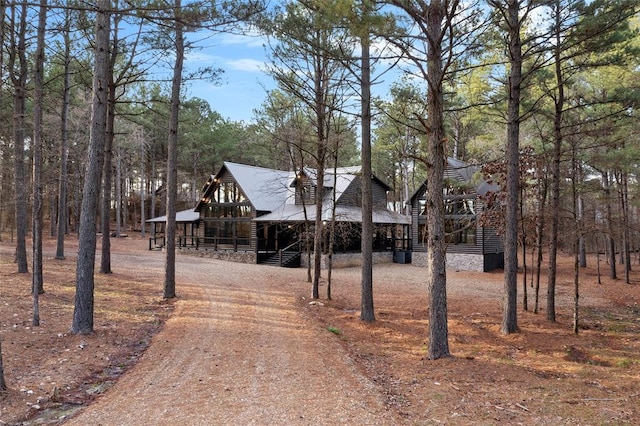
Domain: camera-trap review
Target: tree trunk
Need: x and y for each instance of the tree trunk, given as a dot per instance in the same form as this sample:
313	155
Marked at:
172	158
367	312
83	308
525	294
318	225
405	187
523	236
542	198
510	298
577	220
597	240
332	226
152	205
436	249
105	259
53	213
555	186
582	247
626	245
4	158
321	154
143	189
118	193
37	287
611	246
576	289
19	76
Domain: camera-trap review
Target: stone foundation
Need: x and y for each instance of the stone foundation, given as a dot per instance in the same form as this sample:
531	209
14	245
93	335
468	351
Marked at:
348	260
455	261
230	256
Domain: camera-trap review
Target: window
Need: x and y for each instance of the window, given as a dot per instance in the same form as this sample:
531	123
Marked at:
228	192
460	214
460	231
227	216
243	233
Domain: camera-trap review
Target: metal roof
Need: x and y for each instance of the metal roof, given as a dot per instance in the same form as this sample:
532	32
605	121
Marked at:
466	173
182	216
273	192
296	213
265	188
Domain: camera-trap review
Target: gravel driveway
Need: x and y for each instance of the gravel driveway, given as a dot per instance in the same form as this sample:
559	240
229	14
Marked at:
238	350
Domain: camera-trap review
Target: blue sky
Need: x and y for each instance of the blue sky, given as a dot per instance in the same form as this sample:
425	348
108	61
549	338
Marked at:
241	88
243	85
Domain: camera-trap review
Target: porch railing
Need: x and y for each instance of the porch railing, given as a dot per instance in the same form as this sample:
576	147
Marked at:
288	248
154	244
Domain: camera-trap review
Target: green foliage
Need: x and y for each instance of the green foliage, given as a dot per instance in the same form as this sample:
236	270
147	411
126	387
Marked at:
334	330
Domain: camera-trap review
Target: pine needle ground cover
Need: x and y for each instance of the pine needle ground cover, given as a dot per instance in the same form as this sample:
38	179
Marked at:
542	375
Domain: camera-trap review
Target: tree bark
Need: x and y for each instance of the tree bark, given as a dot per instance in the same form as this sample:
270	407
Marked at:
19	79
582	246
510	300
320	105
143	188
626	237
84	298
436	248
172	157
38	142
542	198
107	179
555	169
367	312
611	242
64	135
4	158
577	219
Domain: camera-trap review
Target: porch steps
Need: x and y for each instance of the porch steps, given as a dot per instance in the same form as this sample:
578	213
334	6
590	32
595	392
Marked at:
290	259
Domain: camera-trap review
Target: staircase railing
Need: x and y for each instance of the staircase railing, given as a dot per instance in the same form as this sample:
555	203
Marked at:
287	248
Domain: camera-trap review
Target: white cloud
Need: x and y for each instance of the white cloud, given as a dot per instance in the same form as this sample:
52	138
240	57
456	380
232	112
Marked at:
244	64
251	40
203	58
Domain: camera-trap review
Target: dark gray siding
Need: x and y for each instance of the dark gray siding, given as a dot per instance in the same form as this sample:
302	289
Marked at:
487	241
352	196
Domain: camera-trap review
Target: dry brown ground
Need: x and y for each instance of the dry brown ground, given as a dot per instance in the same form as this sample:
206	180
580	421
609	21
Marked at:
269	357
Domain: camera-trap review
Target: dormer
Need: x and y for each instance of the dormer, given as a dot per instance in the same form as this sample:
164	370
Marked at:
305	188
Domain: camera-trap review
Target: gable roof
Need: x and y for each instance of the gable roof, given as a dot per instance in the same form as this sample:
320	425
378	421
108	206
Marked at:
289	211
273	192
265	188
462	172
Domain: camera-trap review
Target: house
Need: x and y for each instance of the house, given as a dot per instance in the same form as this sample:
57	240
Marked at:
469	246
259	215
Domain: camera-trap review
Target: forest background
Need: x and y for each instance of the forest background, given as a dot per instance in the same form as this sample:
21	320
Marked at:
543	95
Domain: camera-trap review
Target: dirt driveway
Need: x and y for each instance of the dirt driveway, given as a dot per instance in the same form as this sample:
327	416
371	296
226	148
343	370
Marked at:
237	350
243	346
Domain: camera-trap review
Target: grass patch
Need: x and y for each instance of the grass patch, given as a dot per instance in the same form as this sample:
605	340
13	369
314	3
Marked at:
334	330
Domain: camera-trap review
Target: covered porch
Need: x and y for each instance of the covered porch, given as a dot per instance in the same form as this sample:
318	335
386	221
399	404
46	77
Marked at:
187	222
281	239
